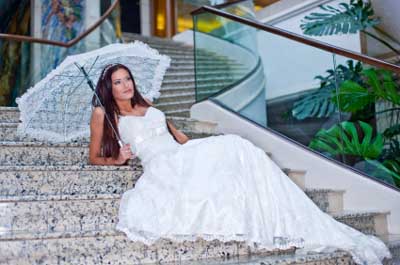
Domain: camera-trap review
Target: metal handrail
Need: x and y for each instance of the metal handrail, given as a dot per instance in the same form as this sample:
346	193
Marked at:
296	37
59	43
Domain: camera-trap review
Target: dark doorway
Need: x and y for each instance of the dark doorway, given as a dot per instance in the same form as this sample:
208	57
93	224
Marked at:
130	16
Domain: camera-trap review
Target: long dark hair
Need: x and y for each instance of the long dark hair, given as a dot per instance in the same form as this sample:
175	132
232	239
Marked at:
109	142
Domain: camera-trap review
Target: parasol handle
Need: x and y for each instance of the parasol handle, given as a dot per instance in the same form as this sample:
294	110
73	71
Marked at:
90	83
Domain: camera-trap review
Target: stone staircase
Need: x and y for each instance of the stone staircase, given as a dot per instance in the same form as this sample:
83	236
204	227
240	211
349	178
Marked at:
57	209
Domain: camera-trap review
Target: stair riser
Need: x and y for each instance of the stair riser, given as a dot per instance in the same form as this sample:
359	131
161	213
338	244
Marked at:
46	217
9	133
69	184
176	90
211	74
115	250
367	224
56	155
9	116
52	184
101	214
202	87
180	113
43	155
43	184
202	82
175	107
203	66
176	98
395	250
327	201
194	128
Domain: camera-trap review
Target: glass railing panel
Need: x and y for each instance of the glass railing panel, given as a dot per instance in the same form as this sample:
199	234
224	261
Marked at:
368	99
299	82
342	108
23	64
222	57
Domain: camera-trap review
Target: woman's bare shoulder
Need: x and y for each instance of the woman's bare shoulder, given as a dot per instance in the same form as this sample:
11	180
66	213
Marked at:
98	113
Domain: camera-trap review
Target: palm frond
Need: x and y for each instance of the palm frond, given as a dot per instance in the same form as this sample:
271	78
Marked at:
347	18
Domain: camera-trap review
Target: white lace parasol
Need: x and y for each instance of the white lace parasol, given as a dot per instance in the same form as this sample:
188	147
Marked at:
58	108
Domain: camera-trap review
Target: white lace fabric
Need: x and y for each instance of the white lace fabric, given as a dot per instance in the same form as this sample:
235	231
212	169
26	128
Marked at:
225	188
58	108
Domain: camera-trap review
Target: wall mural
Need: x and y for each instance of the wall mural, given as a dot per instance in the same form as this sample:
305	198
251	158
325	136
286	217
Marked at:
62	20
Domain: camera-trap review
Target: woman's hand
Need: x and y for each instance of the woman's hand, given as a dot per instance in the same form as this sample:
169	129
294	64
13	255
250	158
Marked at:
125	153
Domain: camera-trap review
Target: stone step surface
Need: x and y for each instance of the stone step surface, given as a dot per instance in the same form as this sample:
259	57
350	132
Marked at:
175	106
193	128
39	153
117	249
211	74
371	223
327	200
393	243
44	183
52	218
8	114
176	97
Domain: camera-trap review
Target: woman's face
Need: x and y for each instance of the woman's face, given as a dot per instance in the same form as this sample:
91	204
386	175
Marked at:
122	85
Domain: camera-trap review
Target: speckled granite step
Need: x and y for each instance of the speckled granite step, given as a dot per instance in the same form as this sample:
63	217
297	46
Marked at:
169	91
176	97
393	242
39	153
326	258
372	223
9	114
203	67
117	249
211	74
208	80
81	215
129	37
328	200
34	183
175	106
192	127
35	153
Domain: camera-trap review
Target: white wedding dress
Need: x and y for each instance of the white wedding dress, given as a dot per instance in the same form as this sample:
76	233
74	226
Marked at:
224	187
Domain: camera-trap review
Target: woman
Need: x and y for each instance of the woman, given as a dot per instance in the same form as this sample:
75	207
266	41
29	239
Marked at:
219	187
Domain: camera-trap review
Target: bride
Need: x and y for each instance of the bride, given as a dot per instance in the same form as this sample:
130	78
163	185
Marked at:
219	187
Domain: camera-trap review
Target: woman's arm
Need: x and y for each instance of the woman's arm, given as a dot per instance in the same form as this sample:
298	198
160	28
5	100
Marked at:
179	136
96	134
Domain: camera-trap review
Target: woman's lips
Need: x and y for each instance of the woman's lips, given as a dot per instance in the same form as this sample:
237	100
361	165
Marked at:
128	91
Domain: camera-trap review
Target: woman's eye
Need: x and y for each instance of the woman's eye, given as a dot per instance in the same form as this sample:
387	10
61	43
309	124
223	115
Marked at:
128	79
117	82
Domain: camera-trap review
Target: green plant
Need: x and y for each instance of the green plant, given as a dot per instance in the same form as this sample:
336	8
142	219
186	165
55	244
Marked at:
347	18
388	167
379	85
344	139
317	103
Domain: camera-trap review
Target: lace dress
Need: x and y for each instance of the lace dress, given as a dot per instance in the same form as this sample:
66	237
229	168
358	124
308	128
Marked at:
225	188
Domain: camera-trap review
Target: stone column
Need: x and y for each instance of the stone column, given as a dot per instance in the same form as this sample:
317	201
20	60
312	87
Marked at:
36	29
91	15
146	18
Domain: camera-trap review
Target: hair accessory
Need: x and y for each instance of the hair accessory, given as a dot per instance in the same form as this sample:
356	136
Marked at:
106	69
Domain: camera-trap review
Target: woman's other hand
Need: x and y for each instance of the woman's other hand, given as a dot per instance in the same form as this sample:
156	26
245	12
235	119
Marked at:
125	154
